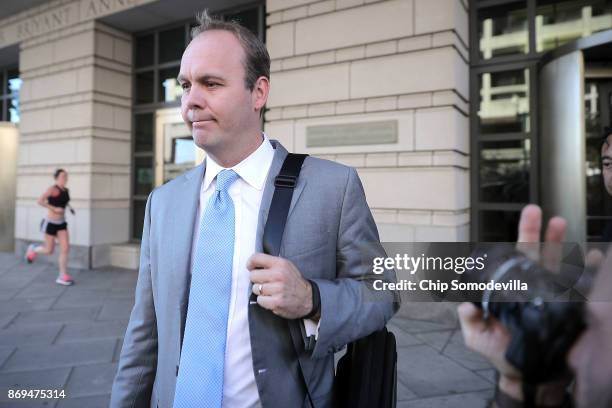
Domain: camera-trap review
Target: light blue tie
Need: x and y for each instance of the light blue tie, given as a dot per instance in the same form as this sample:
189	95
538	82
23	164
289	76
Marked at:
200	377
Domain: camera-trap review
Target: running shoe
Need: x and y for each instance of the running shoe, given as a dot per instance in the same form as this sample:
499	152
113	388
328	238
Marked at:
30	254
64	279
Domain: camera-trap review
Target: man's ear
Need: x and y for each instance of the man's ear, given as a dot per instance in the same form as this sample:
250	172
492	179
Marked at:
261	89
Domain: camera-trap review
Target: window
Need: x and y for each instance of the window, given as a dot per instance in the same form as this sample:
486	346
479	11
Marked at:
502	30
504	102
9	95
504	171
557	22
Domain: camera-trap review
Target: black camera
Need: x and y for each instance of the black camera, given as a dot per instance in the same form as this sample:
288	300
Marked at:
544	320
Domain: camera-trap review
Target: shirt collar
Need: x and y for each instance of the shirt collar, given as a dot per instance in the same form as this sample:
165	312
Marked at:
253	169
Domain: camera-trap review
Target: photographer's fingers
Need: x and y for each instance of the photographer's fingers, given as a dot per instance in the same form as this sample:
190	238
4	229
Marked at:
530	226
553	246
471	319
555	232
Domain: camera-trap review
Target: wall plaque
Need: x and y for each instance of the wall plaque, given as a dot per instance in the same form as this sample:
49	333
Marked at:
351	134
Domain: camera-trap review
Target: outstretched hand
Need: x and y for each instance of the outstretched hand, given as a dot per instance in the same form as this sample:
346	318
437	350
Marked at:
489	337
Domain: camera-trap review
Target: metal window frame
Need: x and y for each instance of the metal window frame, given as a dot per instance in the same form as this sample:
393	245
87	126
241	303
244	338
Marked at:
500	64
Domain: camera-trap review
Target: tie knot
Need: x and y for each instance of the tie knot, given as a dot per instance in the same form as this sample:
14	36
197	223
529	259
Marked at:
225	179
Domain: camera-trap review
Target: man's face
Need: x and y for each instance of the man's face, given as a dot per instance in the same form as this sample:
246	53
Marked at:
591	356
216	105
606	160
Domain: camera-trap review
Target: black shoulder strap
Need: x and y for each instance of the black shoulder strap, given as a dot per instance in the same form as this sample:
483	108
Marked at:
284	184
281	200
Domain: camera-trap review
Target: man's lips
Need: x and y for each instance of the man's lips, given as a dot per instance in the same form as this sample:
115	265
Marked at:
202	122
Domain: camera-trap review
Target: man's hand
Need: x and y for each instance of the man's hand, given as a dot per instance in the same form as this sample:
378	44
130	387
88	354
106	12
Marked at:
283	289
489	337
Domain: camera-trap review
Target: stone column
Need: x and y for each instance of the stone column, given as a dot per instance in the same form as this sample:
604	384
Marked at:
361	64
76	114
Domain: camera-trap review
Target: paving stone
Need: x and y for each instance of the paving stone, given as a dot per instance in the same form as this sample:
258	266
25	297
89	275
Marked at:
116	309
36	334
5	353
42	357
23	268
420	326
122	293
16	280
468	400
40	403
402	338
467	358
81	298
438	340
88	380
93	280
37	379
457	337
41	289
126	279
26	305
488	375
403	392
118	347
6	294
99	401
92	330
8	261
428	373
56	316
6	318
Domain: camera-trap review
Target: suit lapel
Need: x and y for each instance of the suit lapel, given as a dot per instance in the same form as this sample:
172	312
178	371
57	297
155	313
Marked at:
280	153
186	200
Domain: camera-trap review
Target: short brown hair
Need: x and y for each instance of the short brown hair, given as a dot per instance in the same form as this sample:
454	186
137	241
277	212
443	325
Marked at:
257	61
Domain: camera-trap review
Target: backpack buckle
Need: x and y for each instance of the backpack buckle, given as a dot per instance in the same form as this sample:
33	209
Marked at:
285	181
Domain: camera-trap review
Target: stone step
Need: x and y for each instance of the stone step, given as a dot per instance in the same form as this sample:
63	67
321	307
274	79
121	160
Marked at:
125	255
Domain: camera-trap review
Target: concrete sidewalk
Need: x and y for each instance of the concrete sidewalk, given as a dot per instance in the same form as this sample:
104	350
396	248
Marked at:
56	337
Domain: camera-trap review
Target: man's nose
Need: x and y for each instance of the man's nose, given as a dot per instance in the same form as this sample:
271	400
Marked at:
194	99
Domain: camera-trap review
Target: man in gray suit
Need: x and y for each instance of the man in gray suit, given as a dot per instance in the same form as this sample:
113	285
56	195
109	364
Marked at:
194	338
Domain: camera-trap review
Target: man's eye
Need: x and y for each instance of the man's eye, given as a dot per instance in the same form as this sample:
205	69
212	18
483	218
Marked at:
185	86
607	165
212	84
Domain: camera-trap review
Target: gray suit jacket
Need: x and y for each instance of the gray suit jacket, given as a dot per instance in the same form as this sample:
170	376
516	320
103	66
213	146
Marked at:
329	231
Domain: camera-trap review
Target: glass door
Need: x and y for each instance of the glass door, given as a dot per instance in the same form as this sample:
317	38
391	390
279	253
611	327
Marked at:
175	151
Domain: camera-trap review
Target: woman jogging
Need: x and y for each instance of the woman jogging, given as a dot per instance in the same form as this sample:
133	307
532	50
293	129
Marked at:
54	225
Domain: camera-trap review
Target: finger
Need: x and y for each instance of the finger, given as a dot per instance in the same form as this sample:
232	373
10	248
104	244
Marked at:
263	276
530	226
469	313
594	258
260	260
552	252
268	302
555	231
267	289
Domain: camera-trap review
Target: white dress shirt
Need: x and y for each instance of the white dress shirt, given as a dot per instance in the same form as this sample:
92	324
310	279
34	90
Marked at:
239	387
